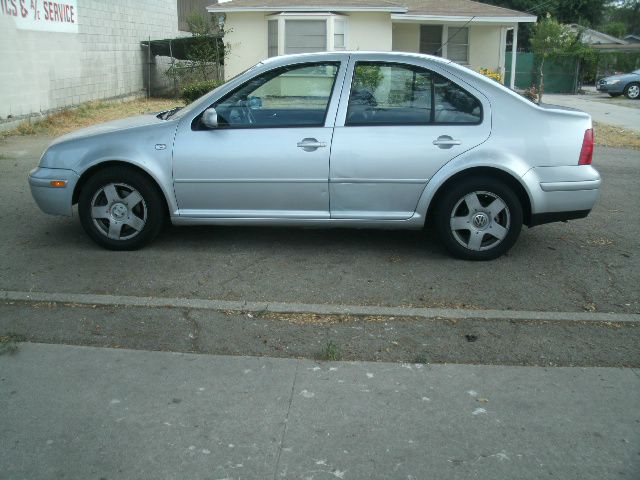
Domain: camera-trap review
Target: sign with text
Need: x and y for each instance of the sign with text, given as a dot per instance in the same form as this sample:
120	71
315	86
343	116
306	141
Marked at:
45	16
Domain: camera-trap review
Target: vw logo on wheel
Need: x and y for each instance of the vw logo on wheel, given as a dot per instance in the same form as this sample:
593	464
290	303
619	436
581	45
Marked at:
480	220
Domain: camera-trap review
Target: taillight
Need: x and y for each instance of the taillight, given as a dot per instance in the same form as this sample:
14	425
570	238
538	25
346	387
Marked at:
586	153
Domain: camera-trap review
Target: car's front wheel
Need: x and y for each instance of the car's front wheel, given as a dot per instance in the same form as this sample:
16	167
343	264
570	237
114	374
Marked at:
632	91
120	209
478	218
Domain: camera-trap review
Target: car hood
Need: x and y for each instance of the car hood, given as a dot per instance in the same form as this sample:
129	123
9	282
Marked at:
623	76
113	126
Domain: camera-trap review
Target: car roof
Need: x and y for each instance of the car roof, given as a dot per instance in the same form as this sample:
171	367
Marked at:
397	56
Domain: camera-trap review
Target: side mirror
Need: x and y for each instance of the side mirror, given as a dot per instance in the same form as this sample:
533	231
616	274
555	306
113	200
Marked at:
210	118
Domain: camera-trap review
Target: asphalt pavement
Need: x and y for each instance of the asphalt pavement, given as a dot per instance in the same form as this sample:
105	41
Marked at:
172	394
585	265
87	413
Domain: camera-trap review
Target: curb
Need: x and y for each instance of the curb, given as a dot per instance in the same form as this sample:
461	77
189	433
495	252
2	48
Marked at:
320	309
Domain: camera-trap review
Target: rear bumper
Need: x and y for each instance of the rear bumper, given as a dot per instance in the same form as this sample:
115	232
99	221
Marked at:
53	200
562	193
542	218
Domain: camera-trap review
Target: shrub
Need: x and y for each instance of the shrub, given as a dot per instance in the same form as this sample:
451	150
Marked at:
487	72
196	90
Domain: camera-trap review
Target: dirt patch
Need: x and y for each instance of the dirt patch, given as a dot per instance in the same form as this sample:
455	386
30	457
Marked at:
612	136
91	113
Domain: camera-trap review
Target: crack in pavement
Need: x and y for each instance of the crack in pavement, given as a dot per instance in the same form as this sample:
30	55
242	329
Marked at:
286	420
194	336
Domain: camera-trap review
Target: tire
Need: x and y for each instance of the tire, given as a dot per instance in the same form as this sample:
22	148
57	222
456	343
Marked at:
487	229
112	217
632	91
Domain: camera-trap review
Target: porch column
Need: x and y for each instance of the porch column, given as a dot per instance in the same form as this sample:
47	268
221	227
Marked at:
514	49
503	52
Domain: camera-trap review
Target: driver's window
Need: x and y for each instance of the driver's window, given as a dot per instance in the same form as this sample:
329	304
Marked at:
297	95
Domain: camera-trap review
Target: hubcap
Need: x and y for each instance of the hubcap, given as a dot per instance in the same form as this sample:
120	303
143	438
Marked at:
118	211
480	220
634	91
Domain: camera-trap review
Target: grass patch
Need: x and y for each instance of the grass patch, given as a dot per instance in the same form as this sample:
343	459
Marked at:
9	343
421	358
611	136
91	113
332	352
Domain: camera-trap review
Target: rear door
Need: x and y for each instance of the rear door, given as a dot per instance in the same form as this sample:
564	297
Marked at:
397	125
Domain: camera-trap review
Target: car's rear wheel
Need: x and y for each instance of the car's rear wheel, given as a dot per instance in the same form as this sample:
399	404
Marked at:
632	91
478	218
120	209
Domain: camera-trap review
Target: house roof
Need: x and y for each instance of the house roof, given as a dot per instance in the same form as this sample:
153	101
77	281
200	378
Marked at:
594	37
414	8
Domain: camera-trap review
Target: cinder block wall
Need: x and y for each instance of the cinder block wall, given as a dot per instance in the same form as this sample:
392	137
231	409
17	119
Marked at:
45	71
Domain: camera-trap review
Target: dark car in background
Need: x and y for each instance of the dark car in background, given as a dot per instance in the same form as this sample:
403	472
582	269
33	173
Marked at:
616	85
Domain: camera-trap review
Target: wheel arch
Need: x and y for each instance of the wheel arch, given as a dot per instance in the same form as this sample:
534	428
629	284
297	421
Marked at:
509	179
89	172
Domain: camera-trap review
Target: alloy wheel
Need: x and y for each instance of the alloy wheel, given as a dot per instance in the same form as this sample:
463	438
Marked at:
480	221
118	211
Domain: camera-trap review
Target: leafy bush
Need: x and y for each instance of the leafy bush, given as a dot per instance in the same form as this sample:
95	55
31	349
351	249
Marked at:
196	90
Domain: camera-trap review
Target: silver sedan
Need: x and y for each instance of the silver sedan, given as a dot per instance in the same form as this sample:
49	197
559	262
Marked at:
350	139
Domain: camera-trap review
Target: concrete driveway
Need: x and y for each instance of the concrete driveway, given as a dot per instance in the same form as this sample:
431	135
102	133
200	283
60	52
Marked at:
619	111
590	264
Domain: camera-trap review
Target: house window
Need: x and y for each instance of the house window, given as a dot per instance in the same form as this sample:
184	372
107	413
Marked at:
273	38
431	39
290	33
339	42
305	36
458	45
445	41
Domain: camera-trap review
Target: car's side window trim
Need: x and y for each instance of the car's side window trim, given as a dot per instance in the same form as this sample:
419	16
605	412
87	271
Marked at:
196	124
414	68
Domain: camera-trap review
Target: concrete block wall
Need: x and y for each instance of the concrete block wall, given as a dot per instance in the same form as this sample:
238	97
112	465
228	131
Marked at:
41	71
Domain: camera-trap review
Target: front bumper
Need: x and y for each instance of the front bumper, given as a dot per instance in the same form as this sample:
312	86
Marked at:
53	200
562	193
610	88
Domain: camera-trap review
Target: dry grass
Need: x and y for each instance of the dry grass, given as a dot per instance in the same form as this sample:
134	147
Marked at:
91	113
611	136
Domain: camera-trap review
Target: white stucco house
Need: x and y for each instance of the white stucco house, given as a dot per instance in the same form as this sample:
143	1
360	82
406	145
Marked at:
470	33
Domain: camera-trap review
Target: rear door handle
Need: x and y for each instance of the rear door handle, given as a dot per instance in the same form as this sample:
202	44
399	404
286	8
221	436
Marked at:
310	144
445	141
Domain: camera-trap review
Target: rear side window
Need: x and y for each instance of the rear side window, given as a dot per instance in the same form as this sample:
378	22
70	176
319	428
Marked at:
398	94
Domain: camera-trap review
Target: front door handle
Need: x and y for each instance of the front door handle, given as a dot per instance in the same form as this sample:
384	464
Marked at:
445	141
310	144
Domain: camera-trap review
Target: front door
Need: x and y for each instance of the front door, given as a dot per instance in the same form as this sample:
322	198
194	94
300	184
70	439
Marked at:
269	156
399	125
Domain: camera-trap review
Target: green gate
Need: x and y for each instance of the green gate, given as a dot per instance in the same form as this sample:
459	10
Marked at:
559	75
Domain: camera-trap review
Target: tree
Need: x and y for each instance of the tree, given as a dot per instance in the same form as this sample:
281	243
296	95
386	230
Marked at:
551	39
615	29
205	55
626	12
